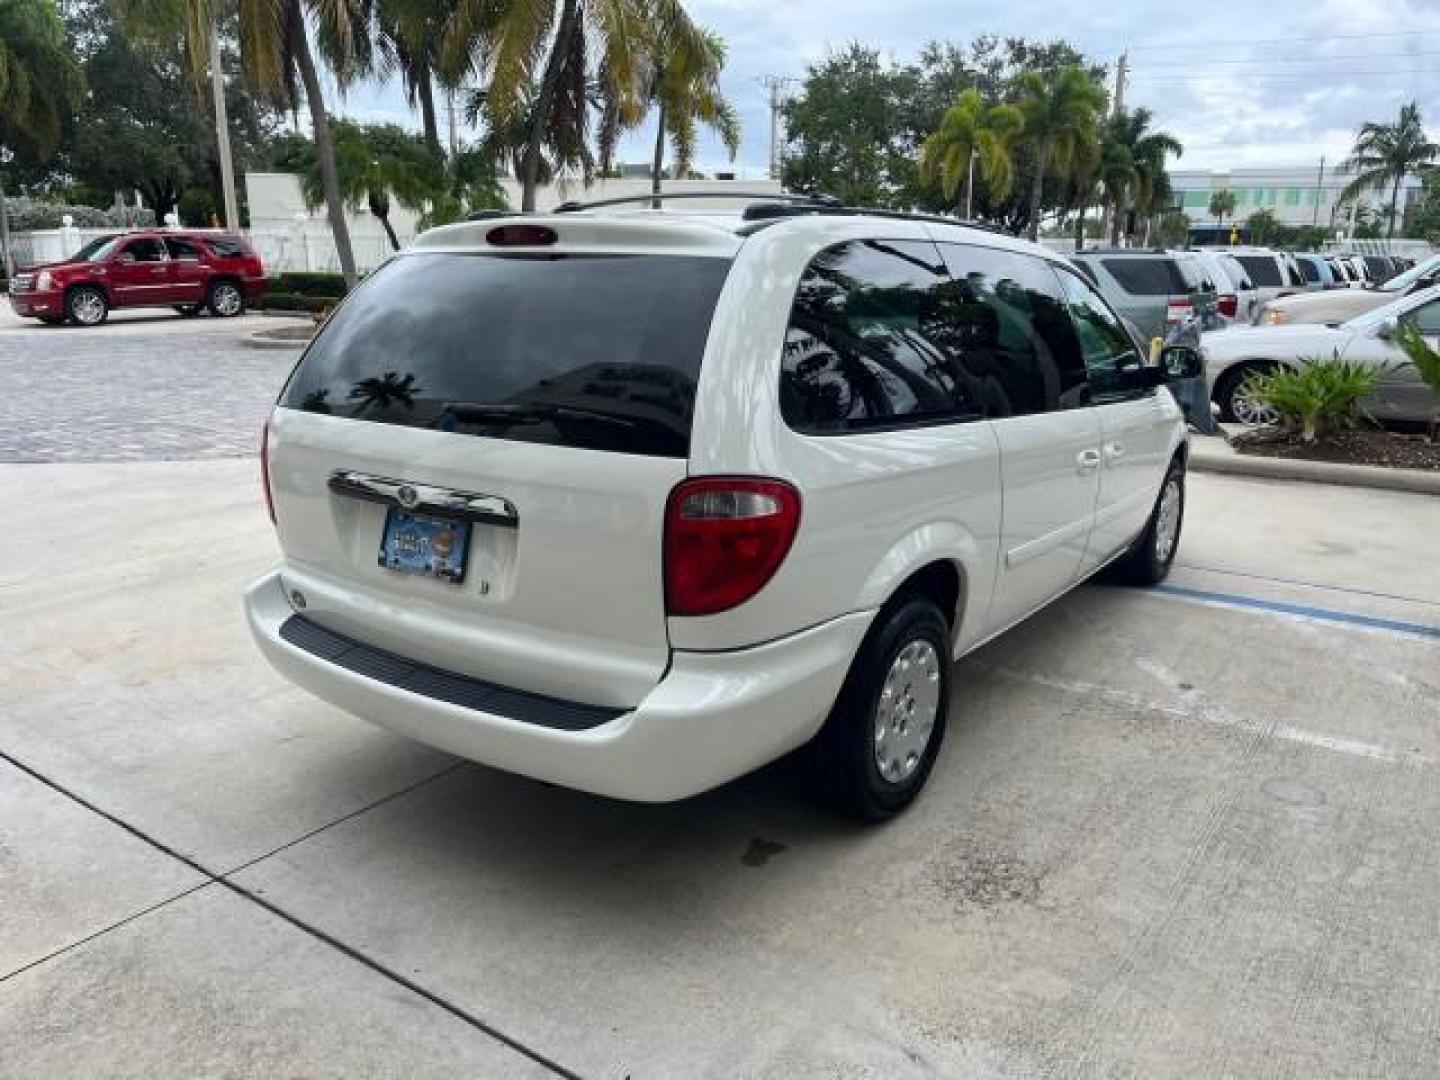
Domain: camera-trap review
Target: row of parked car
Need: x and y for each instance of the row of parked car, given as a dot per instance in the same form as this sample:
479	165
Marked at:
1252	309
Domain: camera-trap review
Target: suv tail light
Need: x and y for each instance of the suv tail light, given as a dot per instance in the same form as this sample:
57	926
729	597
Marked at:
724	539
1228	305
265	472
1177	311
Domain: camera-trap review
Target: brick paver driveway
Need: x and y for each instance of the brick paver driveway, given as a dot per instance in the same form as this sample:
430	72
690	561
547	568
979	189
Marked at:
143	387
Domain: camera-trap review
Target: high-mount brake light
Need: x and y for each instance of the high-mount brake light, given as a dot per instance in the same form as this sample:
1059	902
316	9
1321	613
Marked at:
521	236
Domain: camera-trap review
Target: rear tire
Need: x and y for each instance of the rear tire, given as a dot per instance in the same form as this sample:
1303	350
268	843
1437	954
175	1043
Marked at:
225	300
878	745
86	306
1149	560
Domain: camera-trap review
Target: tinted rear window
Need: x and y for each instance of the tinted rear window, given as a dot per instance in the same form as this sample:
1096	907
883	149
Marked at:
1264	270
1309	270
593	351
1147	277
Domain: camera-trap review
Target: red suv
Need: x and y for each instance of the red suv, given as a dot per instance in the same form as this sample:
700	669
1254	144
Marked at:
162	268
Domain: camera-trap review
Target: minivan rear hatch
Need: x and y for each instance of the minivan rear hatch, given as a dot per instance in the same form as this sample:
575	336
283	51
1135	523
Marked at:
470	464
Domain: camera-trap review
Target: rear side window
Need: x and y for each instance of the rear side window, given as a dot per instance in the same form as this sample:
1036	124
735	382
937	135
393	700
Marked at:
227	248
600	352
1309	270
1147	277
868	344
1264	270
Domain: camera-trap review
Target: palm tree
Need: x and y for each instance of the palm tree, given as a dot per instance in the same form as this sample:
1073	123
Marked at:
1222	205
407	37
1060	108
374	163
1138	155
538	58
275	50
971	133
684	87
1388	152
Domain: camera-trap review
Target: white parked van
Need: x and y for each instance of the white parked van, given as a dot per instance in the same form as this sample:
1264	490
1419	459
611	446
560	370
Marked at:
636	501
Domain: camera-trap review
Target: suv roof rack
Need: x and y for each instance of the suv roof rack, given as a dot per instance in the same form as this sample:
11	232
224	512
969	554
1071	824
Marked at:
762	214
1128	251
574	207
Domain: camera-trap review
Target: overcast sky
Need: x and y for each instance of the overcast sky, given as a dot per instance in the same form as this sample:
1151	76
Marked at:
1239	83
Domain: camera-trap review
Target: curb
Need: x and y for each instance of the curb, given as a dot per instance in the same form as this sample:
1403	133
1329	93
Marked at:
1222	459
266	339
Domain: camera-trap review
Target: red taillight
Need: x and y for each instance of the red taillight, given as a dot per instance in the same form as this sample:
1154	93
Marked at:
724	539
265	472
521	236
1228	305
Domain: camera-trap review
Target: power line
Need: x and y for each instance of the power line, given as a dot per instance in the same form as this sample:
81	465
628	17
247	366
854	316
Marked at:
1279	41
1312	60
1308	75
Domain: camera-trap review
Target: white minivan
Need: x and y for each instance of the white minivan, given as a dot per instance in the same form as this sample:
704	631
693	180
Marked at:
636	501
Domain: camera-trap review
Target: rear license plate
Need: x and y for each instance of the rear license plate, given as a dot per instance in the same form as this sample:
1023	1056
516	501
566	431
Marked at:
421	544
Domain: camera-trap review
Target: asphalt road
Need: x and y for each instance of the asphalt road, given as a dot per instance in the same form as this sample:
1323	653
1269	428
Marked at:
1188	832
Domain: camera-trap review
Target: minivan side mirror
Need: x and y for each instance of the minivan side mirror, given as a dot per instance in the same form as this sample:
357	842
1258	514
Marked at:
1177	363
1387	329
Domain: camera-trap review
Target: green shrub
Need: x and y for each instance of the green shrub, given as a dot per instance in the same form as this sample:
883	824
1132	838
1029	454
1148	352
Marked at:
311	283
1318	399
1426	361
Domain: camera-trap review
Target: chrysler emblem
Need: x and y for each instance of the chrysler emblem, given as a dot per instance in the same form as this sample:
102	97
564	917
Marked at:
407	496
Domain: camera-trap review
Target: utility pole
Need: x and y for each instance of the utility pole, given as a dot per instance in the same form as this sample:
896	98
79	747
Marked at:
6	156
222	127
776	85
1319	193
1121	70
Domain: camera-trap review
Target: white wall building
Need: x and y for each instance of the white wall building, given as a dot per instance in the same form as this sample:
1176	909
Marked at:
1295	196
291	236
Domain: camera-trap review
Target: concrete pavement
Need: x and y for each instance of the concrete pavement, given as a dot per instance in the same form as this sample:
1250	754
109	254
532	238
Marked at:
1183	833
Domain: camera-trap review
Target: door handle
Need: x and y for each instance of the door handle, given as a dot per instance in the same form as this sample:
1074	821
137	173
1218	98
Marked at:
1114	451
158	270
1087	460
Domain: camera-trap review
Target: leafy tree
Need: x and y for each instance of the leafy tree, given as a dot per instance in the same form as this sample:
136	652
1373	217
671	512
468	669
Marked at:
1222	205
540	62
972	133
1265	229
279	61
847	130
1387	153
374	164
407	38
1172	229
1129	135
1424	224
1061	111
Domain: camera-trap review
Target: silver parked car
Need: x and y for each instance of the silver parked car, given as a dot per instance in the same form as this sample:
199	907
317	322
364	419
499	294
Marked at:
1231	356
1157	290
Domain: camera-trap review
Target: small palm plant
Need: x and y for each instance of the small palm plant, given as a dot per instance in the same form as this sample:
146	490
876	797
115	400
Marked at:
1319	398
1427	363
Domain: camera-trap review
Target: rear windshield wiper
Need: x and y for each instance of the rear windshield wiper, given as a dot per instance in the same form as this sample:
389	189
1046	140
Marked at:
470	412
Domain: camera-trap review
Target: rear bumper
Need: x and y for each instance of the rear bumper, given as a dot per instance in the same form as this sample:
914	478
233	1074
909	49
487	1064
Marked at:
713	717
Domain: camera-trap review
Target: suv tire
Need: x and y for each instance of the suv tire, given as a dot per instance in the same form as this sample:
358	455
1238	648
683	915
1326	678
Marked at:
1149	559
225	300
86	306
889	716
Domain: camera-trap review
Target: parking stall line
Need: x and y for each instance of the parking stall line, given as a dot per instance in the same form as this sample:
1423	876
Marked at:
1304	611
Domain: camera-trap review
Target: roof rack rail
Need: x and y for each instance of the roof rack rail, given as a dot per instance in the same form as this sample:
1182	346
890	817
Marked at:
762	213
486	215
573	207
